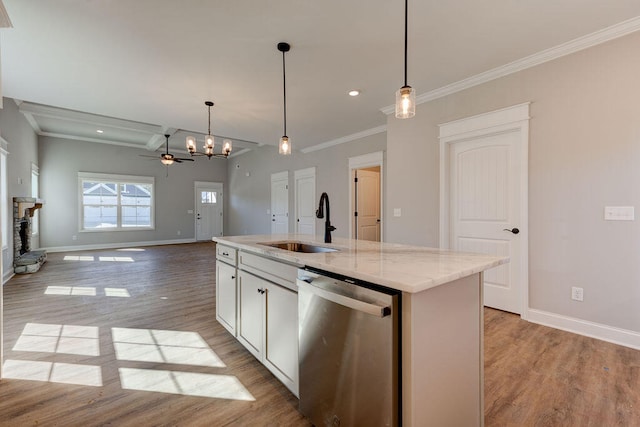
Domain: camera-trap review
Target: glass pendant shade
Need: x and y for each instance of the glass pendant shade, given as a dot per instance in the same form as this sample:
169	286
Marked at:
191	144
285	146
405	102
209	142
226	146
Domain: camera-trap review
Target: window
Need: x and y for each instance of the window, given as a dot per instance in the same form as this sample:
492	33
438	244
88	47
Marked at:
208	197
4	195
115	202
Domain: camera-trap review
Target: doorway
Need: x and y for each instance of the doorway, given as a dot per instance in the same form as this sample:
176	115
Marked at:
366	196
209	212
483	198
366	204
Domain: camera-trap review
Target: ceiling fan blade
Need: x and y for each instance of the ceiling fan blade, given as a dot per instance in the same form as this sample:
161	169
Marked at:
177	160
183	159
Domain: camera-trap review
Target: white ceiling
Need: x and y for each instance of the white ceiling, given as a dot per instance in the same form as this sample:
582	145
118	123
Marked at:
155	62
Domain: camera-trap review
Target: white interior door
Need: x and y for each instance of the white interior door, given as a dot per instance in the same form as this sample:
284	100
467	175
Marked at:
280	202
209	210
367	204
305	194
487	190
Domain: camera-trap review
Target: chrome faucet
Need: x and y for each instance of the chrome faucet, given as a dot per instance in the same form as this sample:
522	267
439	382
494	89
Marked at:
328	228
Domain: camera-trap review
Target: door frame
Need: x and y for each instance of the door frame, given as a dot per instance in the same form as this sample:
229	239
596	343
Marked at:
303	173
509	119
218	186
361	162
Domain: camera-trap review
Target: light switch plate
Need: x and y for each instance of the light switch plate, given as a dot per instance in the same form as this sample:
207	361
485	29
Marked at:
397	212
619	213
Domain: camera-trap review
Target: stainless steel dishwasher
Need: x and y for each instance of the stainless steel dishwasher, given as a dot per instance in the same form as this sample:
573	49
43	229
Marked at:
349	351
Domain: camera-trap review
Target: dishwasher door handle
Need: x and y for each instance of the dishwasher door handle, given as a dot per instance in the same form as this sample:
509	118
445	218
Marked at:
373	309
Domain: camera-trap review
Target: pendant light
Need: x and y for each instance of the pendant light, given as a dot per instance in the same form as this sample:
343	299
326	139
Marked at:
209	142
284	147
406	95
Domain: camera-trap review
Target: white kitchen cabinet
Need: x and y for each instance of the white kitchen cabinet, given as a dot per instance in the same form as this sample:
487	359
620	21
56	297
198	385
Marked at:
268	326
251	312
226	300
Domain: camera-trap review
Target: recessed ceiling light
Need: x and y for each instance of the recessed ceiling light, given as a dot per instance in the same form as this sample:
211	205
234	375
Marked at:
354	92
100	131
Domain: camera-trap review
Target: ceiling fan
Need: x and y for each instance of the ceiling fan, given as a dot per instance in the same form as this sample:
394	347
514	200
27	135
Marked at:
167	158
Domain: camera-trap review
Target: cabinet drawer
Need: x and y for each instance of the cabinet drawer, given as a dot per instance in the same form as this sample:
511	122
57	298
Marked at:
226	253
276	271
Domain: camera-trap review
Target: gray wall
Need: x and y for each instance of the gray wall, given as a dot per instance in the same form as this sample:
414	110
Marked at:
584	154
23	151
251	195
60	162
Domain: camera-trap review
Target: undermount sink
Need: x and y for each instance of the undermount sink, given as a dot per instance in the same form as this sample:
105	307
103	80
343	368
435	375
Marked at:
299	247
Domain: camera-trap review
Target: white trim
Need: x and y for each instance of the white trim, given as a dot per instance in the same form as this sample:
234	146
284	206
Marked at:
301	174
345	139
366	161
8	275
514	118
599	331
610	33
54	249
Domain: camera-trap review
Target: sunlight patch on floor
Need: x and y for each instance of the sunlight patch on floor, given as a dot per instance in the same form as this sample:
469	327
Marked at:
116	292
78	258
158	346
86	291
51	338
185	383
66	373
116	258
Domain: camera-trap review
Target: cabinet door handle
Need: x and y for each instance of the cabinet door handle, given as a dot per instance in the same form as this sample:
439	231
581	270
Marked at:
225	254
261	291
512	230
233	277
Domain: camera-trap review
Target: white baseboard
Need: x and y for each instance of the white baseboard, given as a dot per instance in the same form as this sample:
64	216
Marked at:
117	245
7	276
599	331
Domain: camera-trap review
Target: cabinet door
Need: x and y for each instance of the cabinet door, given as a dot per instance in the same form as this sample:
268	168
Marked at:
251	312
281	328
226	296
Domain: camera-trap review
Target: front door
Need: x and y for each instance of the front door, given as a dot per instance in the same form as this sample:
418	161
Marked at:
486	175
209	214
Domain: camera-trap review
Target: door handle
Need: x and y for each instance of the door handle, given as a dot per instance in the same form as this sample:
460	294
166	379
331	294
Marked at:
512	230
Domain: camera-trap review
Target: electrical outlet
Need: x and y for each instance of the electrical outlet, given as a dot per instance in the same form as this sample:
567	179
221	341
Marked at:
577	294
74	237
178	232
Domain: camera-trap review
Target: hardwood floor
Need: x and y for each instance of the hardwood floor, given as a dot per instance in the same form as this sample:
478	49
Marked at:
139	356
172	289
540	376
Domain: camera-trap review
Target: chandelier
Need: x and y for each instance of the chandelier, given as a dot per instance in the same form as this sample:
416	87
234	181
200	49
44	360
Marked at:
209	142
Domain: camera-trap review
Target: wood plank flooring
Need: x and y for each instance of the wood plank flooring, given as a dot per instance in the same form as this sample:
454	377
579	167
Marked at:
534	375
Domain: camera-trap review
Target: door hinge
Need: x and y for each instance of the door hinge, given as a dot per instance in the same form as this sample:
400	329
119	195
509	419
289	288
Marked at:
355	214
355	179
286	187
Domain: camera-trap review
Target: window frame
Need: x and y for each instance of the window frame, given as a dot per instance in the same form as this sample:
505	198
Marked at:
118	180
35	193
5	224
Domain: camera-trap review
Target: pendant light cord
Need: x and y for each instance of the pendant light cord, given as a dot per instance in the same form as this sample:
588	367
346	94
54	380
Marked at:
284	92
210	119
406	20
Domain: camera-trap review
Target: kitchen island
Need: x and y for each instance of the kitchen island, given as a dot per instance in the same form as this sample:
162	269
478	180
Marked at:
441	316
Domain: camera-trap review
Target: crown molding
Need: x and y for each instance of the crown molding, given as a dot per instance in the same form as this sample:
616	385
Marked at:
344	139
610	33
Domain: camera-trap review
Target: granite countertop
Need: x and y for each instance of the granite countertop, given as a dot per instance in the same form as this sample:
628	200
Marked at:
406	268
